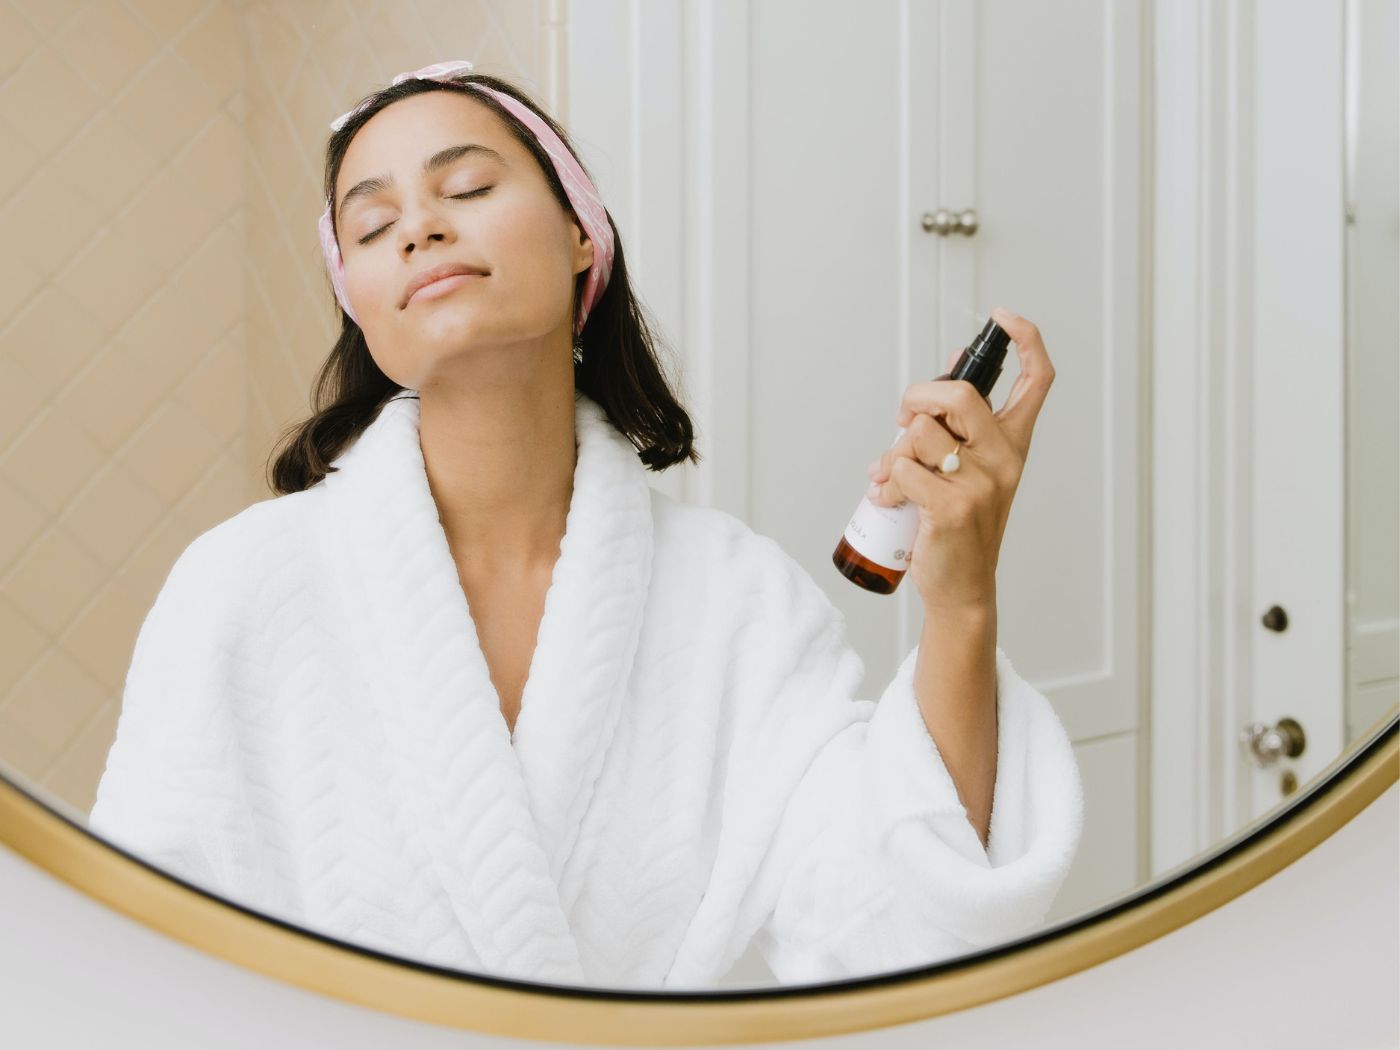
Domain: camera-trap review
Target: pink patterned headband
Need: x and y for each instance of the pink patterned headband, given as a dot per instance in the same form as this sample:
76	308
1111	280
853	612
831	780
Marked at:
583	195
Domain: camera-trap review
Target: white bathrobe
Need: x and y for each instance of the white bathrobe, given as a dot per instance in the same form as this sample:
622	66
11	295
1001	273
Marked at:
309	728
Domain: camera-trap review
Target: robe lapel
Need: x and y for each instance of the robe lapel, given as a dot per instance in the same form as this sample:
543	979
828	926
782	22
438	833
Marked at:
588	636
499	816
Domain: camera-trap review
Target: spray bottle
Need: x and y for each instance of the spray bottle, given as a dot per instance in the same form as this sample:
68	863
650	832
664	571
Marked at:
878	545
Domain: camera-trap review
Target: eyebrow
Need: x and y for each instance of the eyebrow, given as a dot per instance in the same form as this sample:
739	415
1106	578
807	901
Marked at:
440	159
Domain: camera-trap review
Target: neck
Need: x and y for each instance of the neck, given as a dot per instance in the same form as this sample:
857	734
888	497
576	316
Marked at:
498	447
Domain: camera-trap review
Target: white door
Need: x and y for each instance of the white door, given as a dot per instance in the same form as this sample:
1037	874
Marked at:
1298	455
1248	411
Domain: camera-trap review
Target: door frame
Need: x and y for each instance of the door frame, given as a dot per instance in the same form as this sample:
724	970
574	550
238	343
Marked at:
1230	187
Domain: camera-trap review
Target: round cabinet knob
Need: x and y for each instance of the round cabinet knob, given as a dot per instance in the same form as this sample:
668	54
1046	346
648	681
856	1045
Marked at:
1266	744
944	222
1275	619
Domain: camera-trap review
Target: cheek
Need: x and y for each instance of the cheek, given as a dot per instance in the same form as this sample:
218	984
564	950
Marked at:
366	285
515	239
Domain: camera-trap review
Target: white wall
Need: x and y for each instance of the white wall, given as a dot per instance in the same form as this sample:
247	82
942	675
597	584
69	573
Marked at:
1304	960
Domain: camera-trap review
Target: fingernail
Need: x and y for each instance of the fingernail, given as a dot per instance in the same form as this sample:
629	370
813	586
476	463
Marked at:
874	468
873	491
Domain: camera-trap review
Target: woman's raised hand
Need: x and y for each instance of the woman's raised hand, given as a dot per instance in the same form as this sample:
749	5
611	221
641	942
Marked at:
963	515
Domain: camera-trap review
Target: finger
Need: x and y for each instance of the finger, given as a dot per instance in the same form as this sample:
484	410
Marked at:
926	440
952	360
1018	415
908	480
956	404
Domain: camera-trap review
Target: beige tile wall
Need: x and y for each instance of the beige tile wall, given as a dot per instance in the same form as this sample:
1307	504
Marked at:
163	304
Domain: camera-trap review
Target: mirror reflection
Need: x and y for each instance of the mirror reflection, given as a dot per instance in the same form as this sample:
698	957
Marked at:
438	456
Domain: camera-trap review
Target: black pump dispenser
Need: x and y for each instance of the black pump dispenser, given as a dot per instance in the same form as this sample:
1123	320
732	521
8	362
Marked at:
980	364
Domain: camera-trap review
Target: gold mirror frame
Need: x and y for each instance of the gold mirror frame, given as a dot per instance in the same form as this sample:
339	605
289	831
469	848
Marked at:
567	1014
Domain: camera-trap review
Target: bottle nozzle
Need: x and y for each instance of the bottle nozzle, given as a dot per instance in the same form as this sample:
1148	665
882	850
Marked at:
992	339
980	364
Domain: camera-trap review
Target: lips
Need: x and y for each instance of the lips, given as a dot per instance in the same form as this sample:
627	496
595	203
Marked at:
437	273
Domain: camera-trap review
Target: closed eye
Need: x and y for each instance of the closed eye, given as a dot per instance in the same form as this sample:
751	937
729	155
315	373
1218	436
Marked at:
456	197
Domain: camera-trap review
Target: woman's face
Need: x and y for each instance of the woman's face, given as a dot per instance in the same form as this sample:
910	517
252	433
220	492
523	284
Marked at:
490	208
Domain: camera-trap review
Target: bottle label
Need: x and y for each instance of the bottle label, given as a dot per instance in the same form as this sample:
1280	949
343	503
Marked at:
885	535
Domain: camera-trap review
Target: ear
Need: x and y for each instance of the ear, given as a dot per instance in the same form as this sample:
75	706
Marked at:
583	254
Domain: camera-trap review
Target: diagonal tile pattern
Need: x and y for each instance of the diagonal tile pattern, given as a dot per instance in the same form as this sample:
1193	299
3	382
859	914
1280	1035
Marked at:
167	311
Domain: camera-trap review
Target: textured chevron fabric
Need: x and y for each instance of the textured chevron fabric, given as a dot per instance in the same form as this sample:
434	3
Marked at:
309	729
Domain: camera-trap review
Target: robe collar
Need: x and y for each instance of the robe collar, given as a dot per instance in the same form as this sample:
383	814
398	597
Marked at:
499	814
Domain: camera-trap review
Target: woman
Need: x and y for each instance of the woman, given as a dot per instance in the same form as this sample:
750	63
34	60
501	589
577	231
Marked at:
471	691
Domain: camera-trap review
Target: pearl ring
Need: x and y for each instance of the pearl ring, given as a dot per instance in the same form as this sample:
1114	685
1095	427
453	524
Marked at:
951	462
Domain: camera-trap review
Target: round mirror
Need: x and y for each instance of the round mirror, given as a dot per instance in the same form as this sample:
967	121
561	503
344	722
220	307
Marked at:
437	523
40	831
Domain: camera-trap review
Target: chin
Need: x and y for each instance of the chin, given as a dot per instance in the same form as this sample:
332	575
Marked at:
449	324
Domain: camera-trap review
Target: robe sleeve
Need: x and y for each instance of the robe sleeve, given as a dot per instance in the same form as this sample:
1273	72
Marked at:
170	792
874	864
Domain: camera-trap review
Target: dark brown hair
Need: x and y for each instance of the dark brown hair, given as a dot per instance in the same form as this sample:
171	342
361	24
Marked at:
619	367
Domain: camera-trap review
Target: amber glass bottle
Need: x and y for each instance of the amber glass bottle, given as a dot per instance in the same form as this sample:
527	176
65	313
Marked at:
877	547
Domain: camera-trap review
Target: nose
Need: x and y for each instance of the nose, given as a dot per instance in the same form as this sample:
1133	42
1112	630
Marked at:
413	243
421	225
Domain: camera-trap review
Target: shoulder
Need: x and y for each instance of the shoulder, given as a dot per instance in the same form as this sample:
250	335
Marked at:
258	535
722	545
215	595
709	530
